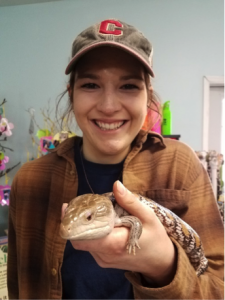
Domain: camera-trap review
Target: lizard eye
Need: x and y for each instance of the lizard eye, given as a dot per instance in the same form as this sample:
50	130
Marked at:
88	216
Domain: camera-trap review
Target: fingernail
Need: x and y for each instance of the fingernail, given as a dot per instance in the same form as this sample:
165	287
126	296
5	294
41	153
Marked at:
120	187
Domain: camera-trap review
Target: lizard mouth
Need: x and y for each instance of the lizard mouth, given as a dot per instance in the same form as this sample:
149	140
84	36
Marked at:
91	234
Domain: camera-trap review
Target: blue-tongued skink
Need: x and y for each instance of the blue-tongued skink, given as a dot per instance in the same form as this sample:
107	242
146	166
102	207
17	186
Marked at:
93	216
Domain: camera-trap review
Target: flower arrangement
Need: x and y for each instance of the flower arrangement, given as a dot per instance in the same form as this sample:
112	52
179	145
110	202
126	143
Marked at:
5	132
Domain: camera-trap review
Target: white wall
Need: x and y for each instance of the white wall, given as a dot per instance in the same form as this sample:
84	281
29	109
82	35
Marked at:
35	42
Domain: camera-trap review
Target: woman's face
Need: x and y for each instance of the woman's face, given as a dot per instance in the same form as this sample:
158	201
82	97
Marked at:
109	103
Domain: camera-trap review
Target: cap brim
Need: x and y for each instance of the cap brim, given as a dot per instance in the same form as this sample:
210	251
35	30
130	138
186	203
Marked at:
108	43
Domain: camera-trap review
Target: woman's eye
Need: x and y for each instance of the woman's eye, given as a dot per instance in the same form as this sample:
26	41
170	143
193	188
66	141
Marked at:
129	86
90	86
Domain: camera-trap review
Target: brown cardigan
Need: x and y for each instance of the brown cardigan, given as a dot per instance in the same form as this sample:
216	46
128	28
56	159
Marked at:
167	171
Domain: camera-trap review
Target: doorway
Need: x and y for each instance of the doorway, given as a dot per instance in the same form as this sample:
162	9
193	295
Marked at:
208	83
216	96
213	137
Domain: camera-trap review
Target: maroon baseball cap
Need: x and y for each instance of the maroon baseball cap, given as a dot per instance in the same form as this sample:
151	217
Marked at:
113	33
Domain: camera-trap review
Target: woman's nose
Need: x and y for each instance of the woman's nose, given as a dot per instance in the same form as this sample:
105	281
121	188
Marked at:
108	102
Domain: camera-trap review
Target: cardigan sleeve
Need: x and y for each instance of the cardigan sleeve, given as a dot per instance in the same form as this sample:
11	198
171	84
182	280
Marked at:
204	217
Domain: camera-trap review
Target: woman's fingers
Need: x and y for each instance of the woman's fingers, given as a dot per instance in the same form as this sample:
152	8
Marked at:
131	203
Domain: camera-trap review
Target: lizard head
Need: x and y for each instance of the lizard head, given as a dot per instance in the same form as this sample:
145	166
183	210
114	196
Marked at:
89	216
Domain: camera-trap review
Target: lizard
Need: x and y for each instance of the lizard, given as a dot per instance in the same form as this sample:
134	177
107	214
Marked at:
93	216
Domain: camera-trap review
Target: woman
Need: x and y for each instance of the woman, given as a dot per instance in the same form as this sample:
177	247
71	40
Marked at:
109	92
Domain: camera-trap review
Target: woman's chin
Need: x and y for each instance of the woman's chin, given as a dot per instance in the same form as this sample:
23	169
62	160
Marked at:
111	153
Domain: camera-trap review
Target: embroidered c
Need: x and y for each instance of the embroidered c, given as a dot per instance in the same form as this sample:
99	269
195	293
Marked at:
105	25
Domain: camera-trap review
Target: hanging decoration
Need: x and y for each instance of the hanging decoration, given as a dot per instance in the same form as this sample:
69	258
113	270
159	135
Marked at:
61	136
48	136
46	143
5	132
4	194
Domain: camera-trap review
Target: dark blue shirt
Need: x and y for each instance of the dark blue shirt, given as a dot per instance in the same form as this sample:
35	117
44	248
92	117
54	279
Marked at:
82	278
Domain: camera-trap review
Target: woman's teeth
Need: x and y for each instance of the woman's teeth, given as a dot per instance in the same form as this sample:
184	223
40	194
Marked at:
111	126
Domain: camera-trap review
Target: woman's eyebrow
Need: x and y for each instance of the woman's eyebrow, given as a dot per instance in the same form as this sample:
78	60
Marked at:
87	75
132	76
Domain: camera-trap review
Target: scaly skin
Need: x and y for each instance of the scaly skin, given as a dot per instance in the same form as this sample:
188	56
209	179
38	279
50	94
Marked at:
93	216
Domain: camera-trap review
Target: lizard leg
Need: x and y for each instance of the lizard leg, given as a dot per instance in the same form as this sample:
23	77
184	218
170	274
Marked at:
135	232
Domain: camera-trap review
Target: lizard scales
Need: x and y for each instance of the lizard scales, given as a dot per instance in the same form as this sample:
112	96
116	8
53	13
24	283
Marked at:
93	216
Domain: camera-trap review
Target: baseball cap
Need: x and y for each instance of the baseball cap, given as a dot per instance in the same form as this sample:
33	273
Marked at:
113	33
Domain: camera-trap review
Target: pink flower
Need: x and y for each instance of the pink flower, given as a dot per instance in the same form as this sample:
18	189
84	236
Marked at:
5	127
3	162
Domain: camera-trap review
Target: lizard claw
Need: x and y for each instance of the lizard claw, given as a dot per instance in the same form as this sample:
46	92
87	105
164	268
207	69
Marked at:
131	248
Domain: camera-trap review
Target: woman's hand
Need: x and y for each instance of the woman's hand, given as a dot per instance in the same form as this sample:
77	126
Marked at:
156	259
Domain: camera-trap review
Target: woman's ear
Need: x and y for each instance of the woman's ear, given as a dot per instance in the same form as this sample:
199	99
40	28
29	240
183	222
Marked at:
69	90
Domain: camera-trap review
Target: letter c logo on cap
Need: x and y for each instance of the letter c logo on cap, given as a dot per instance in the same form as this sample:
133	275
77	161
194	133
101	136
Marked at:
105	24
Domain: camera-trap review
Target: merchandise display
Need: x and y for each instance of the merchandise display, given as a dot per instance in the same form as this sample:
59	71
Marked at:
166	119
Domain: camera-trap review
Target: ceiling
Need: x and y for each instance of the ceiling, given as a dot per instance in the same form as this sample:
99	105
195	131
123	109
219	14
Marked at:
22	2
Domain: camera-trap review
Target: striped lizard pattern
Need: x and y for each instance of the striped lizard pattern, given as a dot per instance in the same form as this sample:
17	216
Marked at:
93	216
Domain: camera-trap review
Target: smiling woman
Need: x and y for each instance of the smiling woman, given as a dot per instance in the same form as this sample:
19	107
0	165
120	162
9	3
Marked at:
109	93
117	86
110	103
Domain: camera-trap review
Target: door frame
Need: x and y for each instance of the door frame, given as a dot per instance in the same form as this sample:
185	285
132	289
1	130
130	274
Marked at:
208	81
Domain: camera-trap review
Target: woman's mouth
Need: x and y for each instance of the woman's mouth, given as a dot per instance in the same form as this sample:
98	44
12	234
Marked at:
109	126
